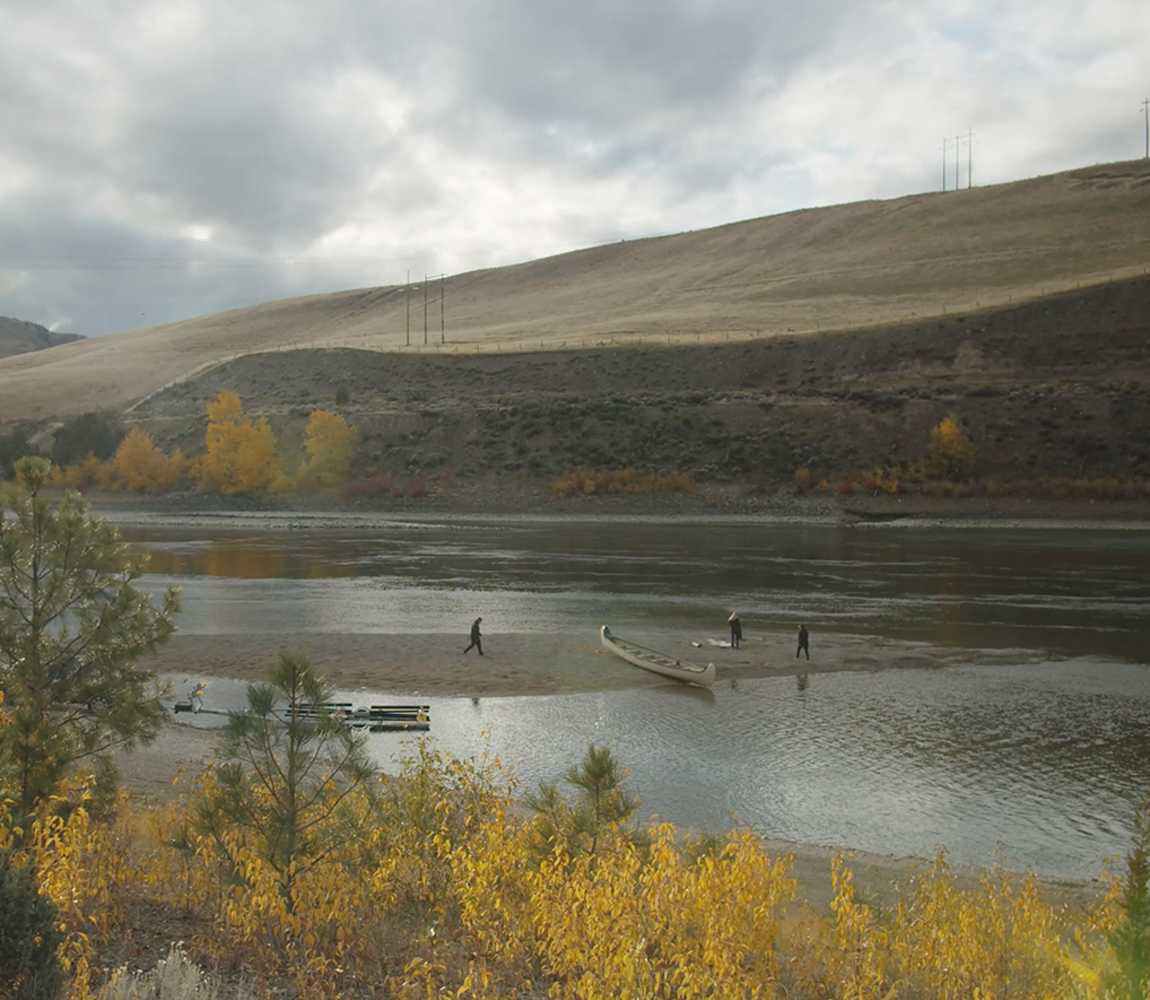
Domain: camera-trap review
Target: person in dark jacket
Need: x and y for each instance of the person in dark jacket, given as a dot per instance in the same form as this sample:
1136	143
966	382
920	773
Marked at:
804	642
476	638
736	629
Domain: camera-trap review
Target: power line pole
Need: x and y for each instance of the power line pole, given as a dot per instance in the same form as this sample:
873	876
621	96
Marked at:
442	320
407	296
957	139
1146	113
425	310
944	163
969	159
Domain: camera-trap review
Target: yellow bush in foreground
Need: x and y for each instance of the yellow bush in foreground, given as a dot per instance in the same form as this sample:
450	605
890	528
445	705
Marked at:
448	896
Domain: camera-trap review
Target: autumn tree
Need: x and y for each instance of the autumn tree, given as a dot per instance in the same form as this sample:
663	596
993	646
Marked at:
72	626
240	454
84	475
287	770
141	467
951	453
329	441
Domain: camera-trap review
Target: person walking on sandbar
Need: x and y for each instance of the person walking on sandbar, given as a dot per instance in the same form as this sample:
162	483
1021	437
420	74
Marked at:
476	638
804	642
736	629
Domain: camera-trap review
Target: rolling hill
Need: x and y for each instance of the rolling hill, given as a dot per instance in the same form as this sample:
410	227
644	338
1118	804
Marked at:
18	336
866	264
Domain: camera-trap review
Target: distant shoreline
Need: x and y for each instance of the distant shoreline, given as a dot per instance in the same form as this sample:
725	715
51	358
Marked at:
529	498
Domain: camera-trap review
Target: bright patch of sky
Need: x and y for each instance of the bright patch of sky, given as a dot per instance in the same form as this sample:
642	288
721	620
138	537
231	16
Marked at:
160	162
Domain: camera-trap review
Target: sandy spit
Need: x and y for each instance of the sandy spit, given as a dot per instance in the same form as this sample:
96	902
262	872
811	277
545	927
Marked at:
522	664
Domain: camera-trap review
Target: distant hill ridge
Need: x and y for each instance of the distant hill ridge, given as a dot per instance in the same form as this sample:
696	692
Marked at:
18	336
833	268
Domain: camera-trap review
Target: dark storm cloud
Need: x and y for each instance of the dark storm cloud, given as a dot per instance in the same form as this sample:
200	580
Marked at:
160	161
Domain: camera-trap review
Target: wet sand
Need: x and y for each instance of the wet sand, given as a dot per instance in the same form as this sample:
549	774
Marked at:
537	664
533	663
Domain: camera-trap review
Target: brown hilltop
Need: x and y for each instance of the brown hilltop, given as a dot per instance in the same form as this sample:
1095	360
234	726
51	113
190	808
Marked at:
862	264
18	336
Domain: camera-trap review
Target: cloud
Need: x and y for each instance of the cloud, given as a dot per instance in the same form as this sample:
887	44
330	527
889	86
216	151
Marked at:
162	161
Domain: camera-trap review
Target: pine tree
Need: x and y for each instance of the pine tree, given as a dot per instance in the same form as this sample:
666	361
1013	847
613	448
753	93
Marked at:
72	626
285	775
602	803
29	936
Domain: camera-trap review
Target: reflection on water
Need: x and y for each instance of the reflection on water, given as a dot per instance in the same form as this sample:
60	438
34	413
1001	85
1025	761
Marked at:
243	559
1037	767
1044	761
1066	592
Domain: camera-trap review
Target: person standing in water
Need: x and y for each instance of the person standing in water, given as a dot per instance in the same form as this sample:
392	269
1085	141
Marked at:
476	638
804	642
736	629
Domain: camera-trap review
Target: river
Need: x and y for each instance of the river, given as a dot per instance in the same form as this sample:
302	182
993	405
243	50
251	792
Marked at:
1020	734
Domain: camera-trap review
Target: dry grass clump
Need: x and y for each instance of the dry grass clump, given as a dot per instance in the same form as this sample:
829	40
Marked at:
175	977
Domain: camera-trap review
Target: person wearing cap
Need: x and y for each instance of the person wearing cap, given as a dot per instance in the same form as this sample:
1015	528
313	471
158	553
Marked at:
736	629
476	638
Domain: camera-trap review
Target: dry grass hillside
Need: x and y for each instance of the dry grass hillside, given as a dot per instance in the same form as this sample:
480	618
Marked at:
840	267
1057	387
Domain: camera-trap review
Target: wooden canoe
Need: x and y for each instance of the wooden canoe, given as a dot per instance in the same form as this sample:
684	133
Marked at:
656	662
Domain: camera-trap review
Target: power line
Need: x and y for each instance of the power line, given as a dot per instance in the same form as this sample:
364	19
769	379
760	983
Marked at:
969	159
958	140
1146	114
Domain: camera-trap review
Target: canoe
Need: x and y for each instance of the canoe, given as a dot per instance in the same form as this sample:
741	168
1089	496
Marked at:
656	662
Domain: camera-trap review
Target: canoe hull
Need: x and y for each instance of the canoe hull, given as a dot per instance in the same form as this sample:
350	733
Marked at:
656	662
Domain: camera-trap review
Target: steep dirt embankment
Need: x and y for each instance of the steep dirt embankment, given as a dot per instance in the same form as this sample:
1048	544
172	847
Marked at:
823	268
1059	386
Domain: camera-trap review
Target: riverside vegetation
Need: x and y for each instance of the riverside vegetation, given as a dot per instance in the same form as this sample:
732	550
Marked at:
291	867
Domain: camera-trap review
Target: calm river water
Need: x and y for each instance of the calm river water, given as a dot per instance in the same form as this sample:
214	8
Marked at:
1031	746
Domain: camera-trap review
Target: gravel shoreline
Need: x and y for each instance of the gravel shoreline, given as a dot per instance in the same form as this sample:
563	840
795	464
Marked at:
528	498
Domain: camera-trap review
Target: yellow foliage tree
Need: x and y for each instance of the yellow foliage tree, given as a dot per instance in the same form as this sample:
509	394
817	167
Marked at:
141	467
330	441
240	454
84	475
951	453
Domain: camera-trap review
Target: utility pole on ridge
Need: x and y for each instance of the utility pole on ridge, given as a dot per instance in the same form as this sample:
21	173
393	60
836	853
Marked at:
1146	114
407	297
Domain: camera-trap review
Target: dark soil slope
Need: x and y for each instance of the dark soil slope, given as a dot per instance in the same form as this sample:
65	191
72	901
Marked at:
1058	386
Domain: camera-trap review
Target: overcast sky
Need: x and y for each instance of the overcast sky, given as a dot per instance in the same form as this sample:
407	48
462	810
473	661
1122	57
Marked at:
163	160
